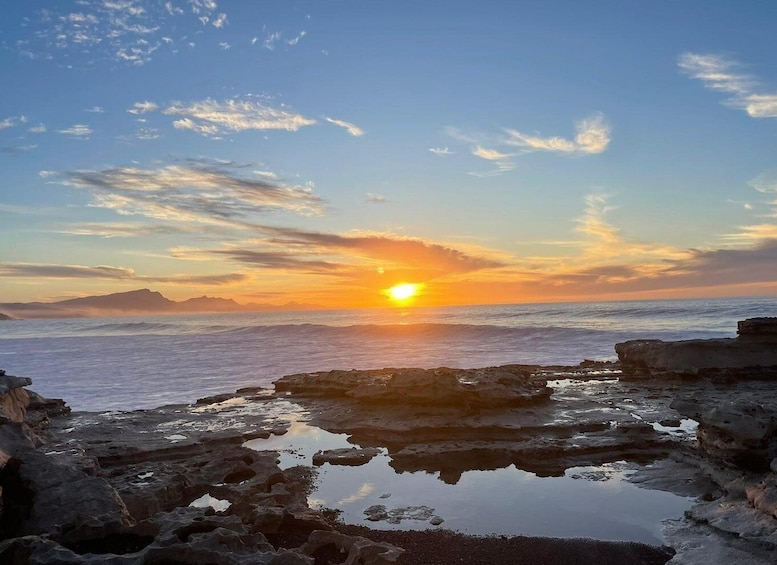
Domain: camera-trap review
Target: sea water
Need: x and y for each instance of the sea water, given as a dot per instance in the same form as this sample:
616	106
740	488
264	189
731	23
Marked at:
130	363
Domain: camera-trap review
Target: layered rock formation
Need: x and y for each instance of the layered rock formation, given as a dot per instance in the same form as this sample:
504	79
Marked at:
729	389
753	353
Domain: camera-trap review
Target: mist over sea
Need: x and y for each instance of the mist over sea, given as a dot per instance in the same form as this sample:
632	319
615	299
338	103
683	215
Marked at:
129	363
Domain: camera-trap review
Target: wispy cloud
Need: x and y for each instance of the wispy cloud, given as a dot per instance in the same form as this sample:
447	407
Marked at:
146	134
593	222
389	248
722	74
199	192
16	149
125	31
80	131
295	40
105	272
766	184
144	107
12	121
376	198
40	128
110	230
361	263
605	243
219	21
211	118
95	110
593	136
63	271
501	160
351	128
270	40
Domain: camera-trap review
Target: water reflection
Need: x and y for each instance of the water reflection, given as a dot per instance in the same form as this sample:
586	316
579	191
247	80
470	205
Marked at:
595	501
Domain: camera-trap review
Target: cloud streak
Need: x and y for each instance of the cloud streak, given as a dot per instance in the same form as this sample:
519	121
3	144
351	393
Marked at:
388	249
354	130
593	136
105	272
80	131
12	121
199	192
213	118
721	74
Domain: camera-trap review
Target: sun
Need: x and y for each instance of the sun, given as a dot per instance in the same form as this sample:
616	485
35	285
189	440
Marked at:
402	292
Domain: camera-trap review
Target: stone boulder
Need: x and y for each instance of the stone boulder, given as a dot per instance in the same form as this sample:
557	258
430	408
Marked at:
352	456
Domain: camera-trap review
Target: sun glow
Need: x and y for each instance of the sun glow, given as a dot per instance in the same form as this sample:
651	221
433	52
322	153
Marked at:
402	292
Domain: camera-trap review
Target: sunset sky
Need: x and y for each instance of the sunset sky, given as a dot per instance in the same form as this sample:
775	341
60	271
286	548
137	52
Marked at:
323	152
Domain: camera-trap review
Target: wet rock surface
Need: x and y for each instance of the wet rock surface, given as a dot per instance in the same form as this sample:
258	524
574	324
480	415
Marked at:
752	354
176	484
345	456
509	385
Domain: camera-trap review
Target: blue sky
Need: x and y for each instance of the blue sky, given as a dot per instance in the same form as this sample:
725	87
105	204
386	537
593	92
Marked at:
325	151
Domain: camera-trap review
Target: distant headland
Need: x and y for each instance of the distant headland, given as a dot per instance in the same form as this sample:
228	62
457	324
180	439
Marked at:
134	302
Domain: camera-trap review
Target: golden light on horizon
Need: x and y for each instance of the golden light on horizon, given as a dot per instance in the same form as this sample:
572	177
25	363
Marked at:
403	292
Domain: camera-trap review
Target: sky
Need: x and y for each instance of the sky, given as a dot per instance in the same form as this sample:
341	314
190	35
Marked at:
324	152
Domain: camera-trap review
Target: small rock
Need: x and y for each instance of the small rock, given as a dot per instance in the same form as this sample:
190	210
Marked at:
346	456
376	513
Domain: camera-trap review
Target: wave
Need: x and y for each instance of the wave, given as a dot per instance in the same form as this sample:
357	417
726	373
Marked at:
392	332
143	328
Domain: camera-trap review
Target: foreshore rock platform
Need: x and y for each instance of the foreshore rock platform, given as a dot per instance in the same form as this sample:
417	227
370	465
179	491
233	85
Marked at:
134	487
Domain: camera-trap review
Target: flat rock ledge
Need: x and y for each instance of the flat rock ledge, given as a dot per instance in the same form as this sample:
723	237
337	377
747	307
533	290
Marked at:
752	354
509	385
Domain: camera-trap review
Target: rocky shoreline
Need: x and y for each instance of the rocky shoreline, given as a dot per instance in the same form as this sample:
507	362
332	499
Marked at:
139	487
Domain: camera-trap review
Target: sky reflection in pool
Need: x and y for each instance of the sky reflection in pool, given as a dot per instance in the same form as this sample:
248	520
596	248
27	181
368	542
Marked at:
595	502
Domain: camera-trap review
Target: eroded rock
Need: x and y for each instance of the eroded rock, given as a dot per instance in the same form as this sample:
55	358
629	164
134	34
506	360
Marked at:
346	456
509	385
350	550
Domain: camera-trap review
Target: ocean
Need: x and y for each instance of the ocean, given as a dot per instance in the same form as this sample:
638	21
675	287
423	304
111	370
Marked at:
128	363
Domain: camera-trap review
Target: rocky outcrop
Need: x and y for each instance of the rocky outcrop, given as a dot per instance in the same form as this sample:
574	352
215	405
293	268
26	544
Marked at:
752	354
510	385
172	485
764	329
